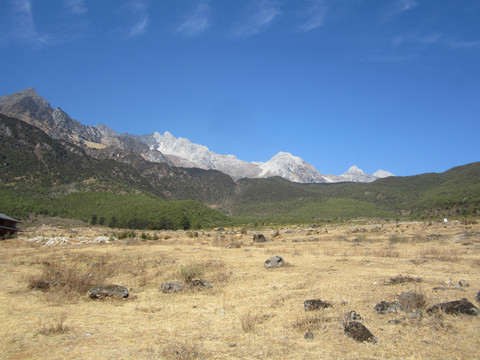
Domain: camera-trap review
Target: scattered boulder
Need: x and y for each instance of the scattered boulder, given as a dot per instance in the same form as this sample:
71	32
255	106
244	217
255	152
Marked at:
274	262
172	287
385	307
259	238
477	298
103	291
463	283
357	331
308	335
455	307
200	284
352	316
315	304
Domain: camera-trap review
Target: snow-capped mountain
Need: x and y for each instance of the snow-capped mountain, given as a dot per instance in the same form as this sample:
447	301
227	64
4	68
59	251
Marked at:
102	141
291	168
182	152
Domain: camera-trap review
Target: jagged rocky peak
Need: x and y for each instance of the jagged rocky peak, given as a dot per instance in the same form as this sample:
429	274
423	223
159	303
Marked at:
106	130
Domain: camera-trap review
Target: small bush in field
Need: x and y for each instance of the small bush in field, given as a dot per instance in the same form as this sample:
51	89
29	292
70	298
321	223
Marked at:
57	328
191	272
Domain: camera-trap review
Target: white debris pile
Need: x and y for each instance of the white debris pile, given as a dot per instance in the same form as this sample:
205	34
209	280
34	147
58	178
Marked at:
62	240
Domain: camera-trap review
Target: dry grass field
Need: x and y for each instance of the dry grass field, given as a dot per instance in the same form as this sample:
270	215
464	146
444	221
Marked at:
250	312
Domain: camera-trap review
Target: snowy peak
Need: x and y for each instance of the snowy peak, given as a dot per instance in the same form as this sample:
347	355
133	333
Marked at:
182	152
291	168
382	174
355	170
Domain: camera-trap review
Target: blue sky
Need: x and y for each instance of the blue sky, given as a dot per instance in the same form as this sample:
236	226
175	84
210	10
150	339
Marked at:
383	84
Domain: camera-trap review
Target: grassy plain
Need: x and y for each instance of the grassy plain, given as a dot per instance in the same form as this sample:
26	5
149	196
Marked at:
251	312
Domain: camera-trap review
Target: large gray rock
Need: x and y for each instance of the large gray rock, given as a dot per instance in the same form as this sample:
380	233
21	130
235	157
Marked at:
359	332
315	304
259	238
274	262
103	291
455	307
172	287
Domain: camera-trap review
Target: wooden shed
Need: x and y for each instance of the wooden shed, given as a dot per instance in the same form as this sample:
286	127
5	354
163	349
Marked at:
8	226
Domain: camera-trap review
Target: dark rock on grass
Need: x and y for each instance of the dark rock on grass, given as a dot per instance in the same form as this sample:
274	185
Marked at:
172	287
103	291
259	238
456	307
274	262
315	304
308	335
477	298
385	307
199	284
352	316
359	332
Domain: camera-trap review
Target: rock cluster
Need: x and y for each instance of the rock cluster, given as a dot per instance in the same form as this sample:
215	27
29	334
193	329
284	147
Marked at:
176	286
353	327
315	304
104	291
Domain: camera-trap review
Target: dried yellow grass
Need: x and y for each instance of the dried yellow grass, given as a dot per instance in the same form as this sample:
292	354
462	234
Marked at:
251	312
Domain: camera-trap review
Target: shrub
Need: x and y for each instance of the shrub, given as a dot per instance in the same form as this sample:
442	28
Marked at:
401	279
395	238
56	328
191	272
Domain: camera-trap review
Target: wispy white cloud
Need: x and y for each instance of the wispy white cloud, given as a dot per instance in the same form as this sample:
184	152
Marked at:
405	5
422	40
139	13
315	15
196	21
396	8
20	27
459	44
76	7
259	18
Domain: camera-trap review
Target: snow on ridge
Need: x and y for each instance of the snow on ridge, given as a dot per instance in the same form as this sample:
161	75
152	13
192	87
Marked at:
283	164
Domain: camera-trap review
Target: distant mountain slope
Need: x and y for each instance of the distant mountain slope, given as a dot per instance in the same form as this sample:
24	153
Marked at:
100	140
182	152
454	192
35	166
29	156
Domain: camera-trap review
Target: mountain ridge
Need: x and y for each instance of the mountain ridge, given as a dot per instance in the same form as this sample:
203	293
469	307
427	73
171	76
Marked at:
28	106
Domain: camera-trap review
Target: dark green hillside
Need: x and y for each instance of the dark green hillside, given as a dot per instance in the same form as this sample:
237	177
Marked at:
40	175
455	192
